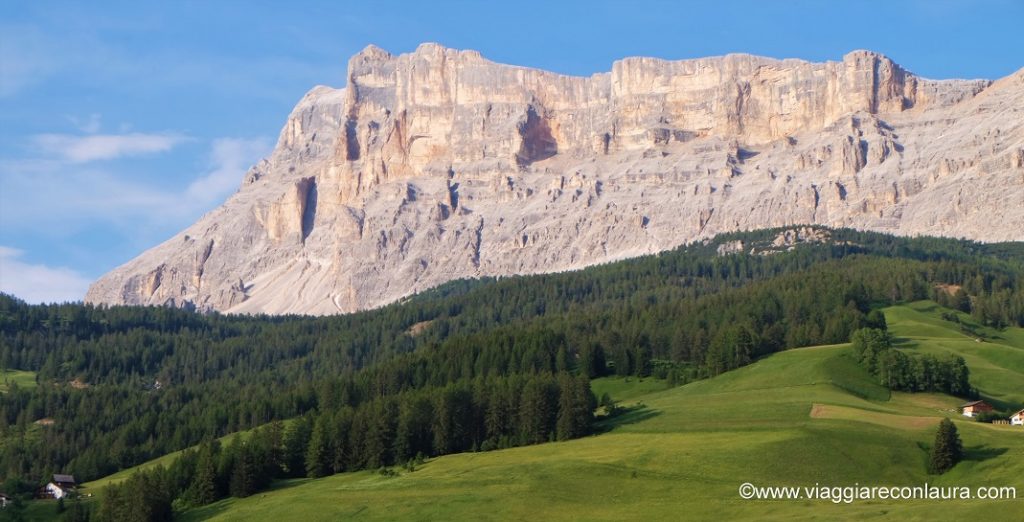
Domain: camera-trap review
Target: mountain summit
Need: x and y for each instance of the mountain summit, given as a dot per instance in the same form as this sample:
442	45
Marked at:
440	164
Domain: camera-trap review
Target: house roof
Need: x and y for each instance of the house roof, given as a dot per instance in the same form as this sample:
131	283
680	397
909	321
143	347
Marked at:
973	403
58	478
1021	413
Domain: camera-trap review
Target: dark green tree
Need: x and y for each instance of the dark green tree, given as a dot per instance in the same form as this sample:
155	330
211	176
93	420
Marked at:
575	407
414	436
203	489
319	453
869	343
245	474
296	440
947	449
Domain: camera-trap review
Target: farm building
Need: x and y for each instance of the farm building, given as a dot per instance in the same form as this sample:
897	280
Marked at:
972	409
61	486
1017	419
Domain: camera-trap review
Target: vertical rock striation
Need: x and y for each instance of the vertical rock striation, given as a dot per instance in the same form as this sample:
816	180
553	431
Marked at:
439	164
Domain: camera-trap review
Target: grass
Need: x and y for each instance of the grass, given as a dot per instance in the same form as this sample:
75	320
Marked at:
626	390
23	379
798	418
996	364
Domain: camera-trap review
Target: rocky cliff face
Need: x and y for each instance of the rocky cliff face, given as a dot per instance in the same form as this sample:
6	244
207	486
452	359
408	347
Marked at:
439	164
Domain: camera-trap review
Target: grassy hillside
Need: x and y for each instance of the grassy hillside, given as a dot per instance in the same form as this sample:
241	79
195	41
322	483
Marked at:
996	361
22	379
796	418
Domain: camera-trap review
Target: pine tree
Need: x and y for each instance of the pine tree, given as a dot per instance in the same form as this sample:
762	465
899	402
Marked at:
538	409
565	426
244	475
203	489
342	449
381	433
947	450
271	439
413	434
576	405
319	454
295	442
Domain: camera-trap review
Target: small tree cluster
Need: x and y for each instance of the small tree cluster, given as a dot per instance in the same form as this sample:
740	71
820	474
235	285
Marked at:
913	373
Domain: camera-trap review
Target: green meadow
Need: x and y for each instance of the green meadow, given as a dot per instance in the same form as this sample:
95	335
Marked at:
22	379
798	418
996	361
803	417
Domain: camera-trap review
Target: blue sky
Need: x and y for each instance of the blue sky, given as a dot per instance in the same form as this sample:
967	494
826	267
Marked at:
123	122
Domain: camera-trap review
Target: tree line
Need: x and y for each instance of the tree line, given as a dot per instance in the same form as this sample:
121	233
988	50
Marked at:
122	385
478	415
900	371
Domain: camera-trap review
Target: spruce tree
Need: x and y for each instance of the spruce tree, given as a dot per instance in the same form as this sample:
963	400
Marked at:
319	454
575	407
244	474
271	439
565	426
203	489
947	450
295	441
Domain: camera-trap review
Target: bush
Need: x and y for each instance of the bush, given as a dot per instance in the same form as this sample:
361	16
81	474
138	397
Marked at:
989	416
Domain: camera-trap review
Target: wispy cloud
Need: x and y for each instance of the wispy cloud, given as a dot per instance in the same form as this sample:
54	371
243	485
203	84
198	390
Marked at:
67	192
229	159
39	283
82	149
90	125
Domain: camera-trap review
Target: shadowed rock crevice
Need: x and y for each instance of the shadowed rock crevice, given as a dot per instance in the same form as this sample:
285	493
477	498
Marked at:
351	139
537	142
309	208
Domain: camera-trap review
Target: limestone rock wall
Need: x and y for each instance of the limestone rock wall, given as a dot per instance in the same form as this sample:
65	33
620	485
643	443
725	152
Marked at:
439	164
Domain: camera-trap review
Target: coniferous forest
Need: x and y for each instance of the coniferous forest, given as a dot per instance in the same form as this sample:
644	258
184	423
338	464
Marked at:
469	366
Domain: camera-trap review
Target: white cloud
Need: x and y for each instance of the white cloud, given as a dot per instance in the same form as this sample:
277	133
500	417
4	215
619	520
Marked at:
39	283
82	149
58	195
229	159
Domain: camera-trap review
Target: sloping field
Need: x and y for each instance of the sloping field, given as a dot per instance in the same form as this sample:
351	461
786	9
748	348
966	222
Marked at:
798	418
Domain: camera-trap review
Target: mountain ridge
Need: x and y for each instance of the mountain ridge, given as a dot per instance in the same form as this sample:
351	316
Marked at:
438	165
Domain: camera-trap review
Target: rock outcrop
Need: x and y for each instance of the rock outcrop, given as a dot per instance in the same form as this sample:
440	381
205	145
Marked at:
439	164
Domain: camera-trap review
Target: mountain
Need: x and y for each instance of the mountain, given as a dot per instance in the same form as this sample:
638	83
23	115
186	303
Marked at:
438	165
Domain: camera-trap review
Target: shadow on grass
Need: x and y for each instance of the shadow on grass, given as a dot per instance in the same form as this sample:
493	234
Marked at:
223	506
625	416
205	512
999	404
983	453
